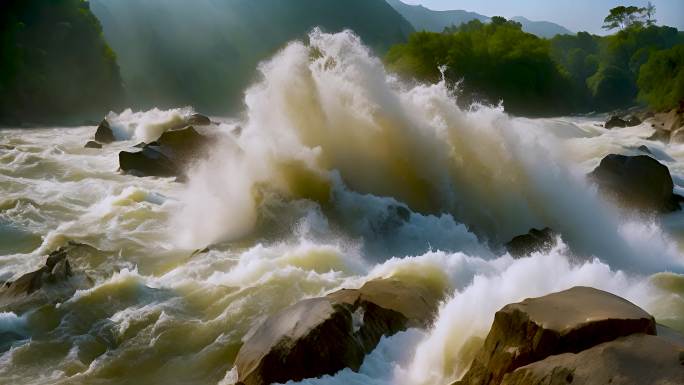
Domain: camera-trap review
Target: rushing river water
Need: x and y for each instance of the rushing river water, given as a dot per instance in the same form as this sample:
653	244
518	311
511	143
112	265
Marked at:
307	192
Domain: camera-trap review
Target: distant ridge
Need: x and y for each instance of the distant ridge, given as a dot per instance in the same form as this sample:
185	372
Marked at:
425	19
545	29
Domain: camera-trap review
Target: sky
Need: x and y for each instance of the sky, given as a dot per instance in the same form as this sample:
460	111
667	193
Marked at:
576	15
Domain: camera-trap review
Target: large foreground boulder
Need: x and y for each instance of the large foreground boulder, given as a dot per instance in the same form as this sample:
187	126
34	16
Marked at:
534	241
168	156
570	321
637	181
324	335
639	359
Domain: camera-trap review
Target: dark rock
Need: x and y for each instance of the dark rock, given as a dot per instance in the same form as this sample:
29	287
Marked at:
324	335
534	241
570	321
637	181
148	162
104	133
615	121
632	121
93	144
168	156
634	360
198	120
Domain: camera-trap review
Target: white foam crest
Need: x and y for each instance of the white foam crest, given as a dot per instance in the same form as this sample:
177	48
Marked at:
146	126
329	107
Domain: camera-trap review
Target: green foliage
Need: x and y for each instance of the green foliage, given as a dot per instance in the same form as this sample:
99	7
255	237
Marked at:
55	64
496	61
661	79
624	17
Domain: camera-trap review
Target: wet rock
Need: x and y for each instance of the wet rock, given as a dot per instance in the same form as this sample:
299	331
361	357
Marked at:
168	156
92	144
615	121
569	321
637	181
534	241
632	121
197	120
104	133
148	162
677	136
324	335
634	360
54	281
660	135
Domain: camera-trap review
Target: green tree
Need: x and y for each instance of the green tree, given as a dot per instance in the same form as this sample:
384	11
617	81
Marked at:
495	61
624	17
661	79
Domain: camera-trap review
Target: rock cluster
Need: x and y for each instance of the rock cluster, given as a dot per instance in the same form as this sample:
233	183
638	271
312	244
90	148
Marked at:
534	241
320	336
578	336
637	181
168	156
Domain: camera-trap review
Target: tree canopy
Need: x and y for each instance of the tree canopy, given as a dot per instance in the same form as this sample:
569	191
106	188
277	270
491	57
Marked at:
55	63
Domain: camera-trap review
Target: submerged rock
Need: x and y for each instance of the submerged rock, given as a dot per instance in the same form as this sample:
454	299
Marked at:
569	321
104	133
634	360
615	121
92	144
534	241
638	181
168	156
324	335
197	120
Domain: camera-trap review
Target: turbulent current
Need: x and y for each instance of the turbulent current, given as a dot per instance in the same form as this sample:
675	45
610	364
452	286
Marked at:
336	173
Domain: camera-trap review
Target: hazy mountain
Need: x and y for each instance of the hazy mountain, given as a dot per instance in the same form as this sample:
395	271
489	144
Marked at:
204	52
545	29
425	19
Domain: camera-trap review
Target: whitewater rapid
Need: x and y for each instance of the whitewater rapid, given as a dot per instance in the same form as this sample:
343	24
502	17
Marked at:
336	173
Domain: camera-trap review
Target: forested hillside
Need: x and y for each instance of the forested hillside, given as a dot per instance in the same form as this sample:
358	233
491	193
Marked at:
204	53
640	63
55	65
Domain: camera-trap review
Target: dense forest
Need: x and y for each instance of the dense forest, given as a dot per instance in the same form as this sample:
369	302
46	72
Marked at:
641	63
205	52
55	65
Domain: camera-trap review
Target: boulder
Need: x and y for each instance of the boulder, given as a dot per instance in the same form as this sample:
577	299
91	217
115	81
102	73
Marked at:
104	133
148	162
569	321
615	121
168	156
637	181
632	121
534	241
677	136
320	336
634	360
660	135
55	270
197	120
92	144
